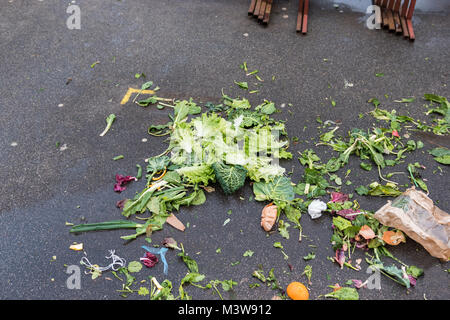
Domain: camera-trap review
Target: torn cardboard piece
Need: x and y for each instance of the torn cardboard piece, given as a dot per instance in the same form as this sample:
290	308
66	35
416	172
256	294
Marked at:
416	215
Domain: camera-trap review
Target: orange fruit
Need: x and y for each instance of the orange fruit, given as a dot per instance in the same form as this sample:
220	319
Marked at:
297	291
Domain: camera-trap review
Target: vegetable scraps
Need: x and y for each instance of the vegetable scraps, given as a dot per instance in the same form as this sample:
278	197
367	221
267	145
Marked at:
234	142
225	147
355	228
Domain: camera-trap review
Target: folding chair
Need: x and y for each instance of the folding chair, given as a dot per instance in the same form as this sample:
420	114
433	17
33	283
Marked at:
260	9
397	17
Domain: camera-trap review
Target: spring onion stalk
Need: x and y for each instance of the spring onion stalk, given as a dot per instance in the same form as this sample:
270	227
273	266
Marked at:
107	225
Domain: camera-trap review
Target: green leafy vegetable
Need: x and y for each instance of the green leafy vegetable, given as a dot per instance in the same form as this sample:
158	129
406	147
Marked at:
326	137
190	263
242	85
280	189
388	190
366	166
341	223
416	177
259	274
266	108
406	100
414	271
308	273
134	266
441	155
309	256
139	171
197	174
283	229
109	121
362	190
230	177
248	253
344	293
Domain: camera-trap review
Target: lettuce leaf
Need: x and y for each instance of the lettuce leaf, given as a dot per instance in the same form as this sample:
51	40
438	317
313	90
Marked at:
197	174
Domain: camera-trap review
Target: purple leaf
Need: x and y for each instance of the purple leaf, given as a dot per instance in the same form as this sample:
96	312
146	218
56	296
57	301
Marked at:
121	203
412	280
121	181
170	243
357	283
149	260
348	214
340	257
339	197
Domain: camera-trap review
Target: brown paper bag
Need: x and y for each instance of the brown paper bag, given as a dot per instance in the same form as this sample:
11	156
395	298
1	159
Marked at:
416	215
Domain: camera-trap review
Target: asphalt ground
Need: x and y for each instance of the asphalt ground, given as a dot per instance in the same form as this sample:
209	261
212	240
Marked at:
56	169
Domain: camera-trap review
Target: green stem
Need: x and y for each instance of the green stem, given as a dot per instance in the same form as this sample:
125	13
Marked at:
382	178
107	225
217	290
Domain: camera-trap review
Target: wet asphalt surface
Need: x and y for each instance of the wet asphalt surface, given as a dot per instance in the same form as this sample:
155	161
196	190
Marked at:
56	169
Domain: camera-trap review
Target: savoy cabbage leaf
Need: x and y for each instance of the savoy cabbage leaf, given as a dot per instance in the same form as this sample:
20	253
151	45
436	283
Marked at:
280	189
230	177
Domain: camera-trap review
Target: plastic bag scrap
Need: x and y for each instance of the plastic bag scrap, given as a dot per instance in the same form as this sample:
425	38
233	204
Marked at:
415	214
315	208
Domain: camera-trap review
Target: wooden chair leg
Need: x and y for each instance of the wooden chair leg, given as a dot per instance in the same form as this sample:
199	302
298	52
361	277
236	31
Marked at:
412	36
257	7
267	13
404	27
300	15
404	8
305	17
262	10
251	9
398	26
390	18
384	17
412	5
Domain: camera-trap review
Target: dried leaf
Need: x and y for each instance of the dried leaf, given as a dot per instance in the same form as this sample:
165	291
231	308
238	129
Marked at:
174	222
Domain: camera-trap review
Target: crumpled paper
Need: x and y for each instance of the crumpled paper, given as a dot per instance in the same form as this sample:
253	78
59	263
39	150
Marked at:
315	208
416	215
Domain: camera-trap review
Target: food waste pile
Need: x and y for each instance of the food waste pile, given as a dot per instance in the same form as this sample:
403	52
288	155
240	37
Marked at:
222	147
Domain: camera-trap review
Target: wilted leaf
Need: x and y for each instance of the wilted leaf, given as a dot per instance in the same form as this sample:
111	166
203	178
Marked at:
366	232
134	266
